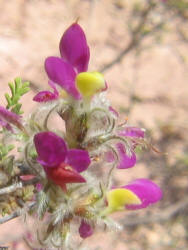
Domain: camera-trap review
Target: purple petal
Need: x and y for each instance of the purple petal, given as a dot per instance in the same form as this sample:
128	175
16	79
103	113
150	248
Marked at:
78	159
10	117
125	161
63	74
133	132
85	230
73	47
147	191
45	96
51	149
6	125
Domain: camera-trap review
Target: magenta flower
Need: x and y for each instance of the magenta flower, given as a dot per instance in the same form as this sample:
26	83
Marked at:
138	194
85	230
62	165
68	71
74	59
126	160
147	191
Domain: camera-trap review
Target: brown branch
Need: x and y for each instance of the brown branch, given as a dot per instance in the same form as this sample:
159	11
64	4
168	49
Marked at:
135	40
164	215
120	56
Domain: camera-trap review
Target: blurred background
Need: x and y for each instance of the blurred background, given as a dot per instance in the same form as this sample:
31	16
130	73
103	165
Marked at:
141	46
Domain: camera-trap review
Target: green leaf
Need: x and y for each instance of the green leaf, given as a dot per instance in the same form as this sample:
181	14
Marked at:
12	88
18	89
24	91
25	84
8	100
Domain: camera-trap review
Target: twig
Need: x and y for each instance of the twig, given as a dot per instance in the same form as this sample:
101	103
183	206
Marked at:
17	185
9	217
164	215
120	56
135	40
15	214
10	189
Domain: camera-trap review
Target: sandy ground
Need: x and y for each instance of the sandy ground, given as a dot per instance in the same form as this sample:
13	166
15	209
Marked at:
30	31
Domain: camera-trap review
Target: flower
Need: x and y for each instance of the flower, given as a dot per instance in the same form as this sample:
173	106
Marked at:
138	194
69	71
132	133
126	159
85	229
147	191
62	165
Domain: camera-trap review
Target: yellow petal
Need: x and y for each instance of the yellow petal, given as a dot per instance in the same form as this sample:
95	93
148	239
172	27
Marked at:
89	83
118	198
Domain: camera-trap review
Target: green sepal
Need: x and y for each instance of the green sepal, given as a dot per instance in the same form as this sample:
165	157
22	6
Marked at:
8	100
